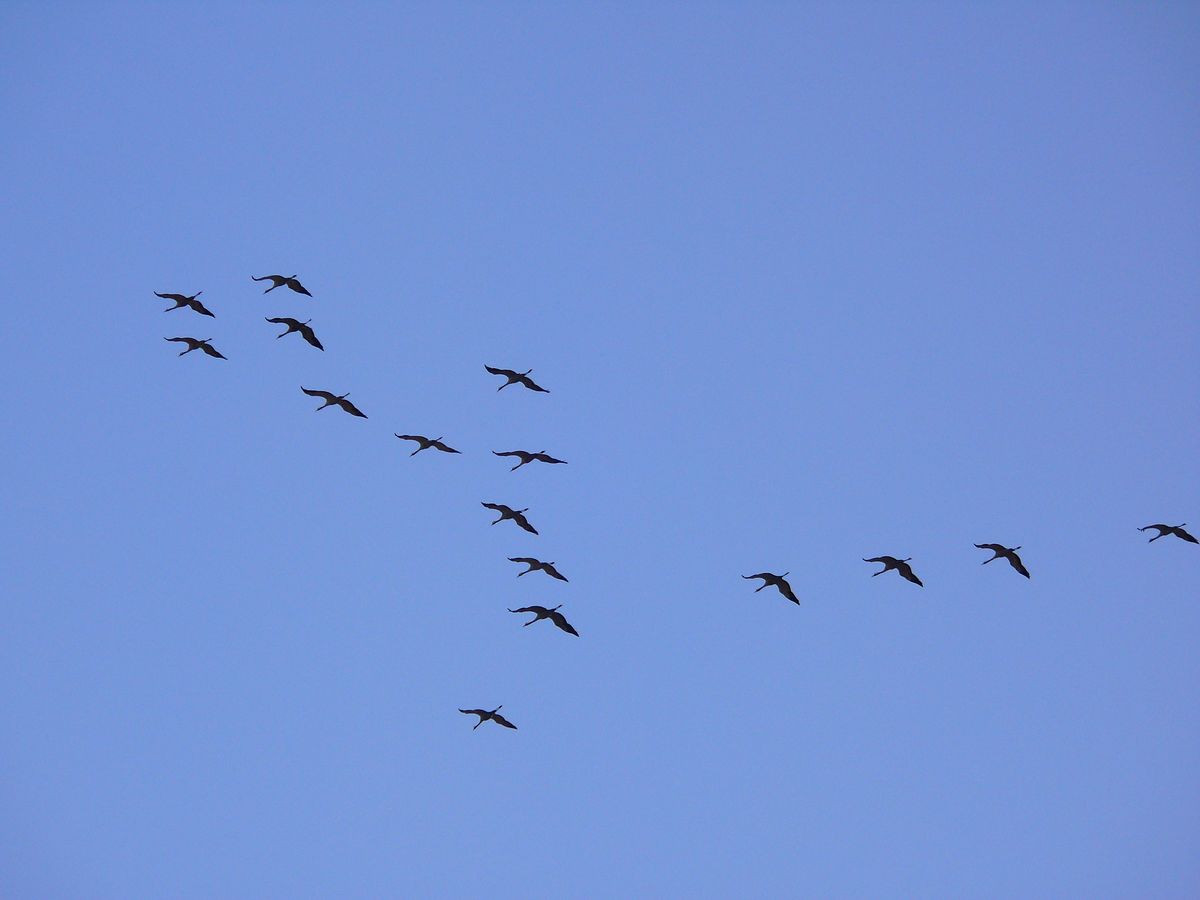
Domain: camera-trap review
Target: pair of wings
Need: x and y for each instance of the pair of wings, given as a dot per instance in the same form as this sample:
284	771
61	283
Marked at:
552	614
484	715
517	376
548	568
509	513
190	302
779	582
195	344
281	280
426	442
333	398
305	330
1010	555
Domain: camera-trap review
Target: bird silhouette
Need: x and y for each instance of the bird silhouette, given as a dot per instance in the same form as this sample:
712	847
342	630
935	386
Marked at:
517	515
193	344
900	565
1164	530
515	378
335	400
527	457
280	281
778	581
182	301
1009	553
493	714
540	612
296	325
425	443
535	565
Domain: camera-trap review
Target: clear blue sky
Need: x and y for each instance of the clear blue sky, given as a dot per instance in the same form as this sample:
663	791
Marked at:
808	283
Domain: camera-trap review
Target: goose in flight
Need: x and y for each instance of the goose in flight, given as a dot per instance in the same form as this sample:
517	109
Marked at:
296	325
425	443
517	515
900	565
493	714
280	281
540	612
182	301
193	344
332	400
778	581
1164	530
535	565
1009	553
527	457
515	378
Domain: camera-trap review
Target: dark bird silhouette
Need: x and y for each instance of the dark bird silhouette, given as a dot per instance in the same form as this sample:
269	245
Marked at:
332	400
778	581
516	377
535	565
900	565
296	325
1164	530
193	344
517	515
540	612
280	281
182	301
425	443
527	457
1009	553
493	714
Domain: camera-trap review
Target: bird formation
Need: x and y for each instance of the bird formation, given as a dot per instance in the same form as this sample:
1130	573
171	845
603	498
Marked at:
525	457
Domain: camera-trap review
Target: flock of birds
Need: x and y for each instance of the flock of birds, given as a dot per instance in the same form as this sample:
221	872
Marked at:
525	457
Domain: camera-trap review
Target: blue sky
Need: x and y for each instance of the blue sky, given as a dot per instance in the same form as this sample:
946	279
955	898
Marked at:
808	283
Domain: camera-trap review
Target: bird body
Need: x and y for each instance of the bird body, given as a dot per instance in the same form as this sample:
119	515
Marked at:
334	400
526	457
778	581
536	565
190	302
517	378
517	515
541	612
426	443
493	714
900	565
280	281
194	344
1164	530
296	325
1009	553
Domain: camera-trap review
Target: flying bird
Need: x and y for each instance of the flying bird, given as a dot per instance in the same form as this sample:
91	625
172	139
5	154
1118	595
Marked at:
334	400
516	377
182	301
776	580
193	344
425	443
540	612
493	714
517	515
535	565
527	457
1009	553
296	325
900	565
1164	530
280	281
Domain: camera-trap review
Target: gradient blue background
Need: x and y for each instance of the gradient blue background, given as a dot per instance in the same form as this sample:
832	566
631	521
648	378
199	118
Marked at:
807	283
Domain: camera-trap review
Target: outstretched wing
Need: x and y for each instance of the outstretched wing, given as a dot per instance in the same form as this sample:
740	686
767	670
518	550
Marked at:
907	572
474	712
878	559
506	453
498	507
351	408
532	385
1015	562
560	620
178	298
995	548
496	717
179	340
211	351
307	333
766	576
547	458
549	569
786	590
324	395
500	371
411	437
1179	532
528	560
443	447
297	287
528	609
200	308
284	320
520	519
275	278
